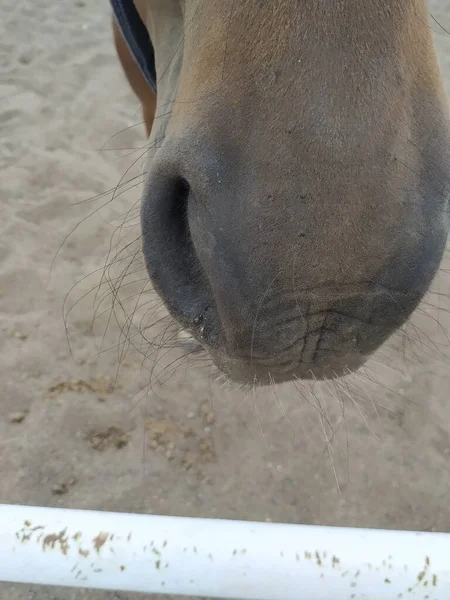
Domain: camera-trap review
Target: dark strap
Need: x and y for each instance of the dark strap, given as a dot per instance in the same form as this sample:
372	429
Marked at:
136	37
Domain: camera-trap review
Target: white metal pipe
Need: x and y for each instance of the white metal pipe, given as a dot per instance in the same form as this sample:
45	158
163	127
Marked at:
218	558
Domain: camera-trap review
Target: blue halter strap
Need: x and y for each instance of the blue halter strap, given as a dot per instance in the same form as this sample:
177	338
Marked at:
136	37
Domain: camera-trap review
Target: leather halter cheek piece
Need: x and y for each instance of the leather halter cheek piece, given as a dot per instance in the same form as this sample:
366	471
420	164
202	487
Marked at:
136	36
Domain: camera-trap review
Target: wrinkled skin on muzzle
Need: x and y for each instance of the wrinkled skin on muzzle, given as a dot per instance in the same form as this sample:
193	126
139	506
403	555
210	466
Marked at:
296	206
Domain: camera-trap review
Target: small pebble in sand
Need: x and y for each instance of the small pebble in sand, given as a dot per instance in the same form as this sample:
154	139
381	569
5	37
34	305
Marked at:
17	417
122	441
61	488
25	58
18	335
188	461
209	418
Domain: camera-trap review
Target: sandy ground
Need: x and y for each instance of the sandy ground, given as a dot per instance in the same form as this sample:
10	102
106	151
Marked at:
78	431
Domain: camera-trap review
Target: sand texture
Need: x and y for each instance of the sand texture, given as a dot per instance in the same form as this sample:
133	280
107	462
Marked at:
78	431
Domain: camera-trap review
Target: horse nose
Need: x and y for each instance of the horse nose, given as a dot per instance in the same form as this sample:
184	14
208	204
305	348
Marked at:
257	327
245	280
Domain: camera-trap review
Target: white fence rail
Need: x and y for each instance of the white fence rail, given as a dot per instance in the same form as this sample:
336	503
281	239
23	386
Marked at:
218	558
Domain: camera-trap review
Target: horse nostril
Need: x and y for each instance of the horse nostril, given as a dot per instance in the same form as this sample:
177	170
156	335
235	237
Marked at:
177	220
169	252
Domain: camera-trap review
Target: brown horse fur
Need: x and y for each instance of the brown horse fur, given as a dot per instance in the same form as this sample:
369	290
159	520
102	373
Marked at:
296	207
